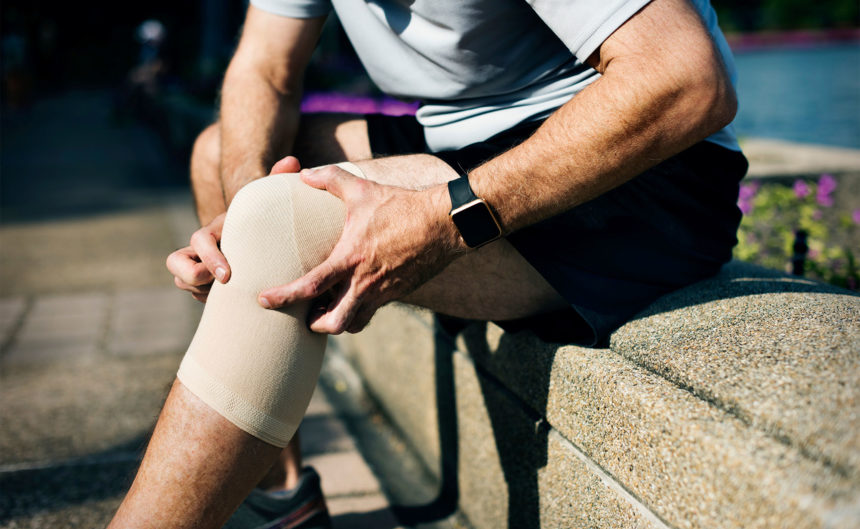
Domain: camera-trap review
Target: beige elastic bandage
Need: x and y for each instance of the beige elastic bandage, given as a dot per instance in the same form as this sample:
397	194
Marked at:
254	366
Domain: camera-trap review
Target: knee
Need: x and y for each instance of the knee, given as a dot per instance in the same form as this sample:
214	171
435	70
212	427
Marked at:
279	219
206	152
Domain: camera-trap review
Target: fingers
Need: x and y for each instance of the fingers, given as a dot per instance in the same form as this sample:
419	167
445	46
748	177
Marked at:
187	268
204	242
333	179
312	285
289	164
202	290
337	317
189	273
195	267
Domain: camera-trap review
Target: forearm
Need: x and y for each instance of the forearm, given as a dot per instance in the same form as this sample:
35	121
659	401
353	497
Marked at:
643	110
261	95
258	123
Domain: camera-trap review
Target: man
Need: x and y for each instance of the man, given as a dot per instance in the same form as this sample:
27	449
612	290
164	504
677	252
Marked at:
536	118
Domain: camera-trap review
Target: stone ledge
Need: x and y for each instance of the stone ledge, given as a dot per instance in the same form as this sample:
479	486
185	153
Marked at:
779	158
780	353
641	413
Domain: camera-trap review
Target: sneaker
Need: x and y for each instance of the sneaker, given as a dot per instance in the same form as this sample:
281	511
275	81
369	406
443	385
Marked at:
302	507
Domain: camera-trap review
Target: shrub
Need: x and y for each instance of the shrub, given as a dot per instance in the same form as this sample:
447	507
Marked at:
774	214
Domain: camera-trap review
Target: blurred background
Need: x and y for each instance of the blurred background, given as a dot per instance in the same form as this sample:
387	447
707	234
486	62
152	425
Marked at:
99	105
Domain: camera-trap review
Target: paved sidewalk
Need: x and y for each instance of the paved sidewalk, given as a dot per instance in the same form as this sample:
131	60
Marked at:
91	330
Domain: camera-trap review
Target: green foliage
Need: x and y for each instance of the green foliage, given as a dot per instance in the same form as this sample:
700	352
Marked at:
773	213
754	15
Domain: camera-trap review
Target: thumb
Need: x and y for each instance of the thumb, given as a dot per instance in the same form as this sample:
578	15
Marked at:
330	178
288	164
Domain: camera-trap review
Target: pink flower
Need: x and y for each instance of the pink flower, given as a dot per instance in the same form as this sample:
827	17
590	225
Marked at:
748	191
801	190
746	194
826	185
855	216
816	215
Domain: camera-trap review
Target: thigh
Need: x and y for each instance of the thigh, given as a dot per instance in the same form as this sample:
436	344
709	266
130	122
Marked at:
324	139
494	282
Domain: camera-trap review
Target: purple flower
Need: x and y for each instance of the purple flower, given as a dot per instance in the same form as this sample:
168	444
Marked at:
826	185
855	216
801	190
746	194
748	191
824	200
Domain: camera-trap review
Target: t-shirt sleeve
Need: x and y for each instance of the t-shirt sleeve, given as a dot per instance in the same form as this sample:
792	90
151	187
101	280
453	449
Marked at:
583	25
294	8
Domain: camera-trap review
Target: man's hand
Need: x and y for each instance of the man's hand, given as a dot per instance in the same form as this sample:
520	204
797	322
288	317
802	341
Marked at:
195	267
393	241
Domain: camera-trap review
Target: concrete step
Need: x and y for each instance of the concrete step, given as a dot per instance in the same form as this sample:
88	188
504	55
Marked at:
730	404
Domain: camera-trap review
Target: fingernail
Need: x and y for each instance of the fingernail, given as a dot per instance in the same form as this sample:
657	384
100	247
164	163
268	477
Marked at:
265	303
221	273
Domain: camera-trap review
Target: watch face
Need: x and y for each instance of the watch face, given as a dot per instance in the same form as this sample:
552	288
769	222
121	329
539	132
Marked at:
476	223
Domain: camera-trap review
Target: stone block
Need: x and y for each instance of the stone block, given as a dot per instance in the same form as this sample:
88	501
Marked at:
780	353
516	472
11	311
67	411
398	347
324	434
344	474
153	321
361	512
319	405
61	327
688	459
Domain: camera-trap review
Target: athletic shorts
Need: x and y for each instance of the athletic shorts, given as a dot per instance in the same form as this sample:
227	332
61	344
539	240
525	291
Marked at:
611	257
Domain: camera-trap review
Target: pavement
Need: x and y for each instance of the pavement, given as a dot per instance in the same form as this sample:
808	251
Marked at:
92	330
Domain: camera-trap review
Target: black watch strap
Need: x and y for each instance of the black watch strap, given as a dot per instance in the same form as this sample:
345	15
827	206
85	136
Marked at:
460	192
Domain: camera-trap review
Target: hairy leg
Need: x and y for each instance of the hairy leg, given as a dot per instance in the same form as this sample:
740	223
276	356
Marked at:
493	283
201	462
322	139
198	468
206	175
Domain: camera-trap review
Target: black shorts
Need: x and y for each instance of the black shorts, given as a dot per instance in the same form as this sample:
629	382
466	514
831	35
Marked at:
672	225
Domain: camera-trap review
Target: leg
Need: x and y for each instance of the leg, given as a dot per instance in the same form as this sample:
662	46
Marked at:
322	139
252	370
206	175
492	283
195	458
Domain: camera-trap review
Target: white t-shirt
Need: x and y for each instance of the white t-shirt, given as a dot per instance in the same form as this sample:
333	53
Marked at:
483	66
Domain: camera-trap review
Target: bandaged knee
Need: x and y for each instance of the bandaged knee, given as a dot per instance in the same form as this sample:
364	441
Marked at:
258	367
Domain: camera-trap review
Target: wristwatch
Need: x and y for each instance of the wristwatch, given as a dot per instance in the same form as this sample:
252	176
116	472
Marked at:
472	215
